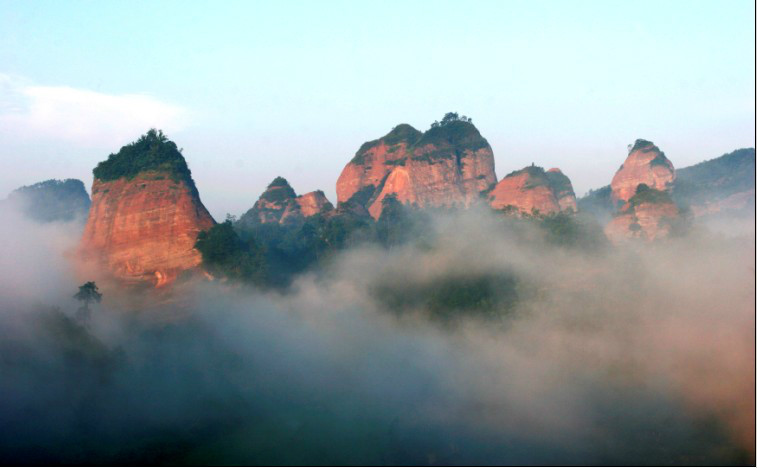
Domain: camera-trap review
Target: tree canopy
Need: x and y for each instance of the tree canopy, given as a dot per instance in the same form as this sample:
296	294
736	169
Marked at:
153	151
88	292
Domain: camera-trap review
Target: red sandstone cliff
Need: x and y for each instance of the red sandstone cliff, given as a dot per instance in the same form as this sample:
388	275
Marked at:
280	204
450	164
645	164
142	226
532	190
648	215
563	189
640	191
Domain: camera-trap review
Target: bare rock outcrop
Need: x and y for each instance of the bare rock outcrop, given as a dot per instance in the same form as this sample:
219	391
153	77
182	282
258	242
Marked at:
645	164
532	190
449	165
640	195
280	204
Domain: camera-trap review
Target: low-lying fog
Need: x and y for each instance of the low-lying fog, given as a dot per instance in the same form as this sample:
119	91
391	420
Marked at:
641	354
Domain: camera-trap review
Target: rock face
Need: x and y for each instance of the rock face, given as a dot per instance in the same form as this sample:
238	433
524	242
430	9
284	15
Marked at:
645	164
280	204
531	190
52	200
145	214
563	189
640	195
650	214
450	164
313	203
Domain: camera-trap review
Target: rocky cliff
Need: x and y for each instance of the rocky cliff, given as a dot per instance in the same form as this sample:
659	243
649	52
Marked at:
563	189
145	213
650	214
450	164
645	164
532	190
280	204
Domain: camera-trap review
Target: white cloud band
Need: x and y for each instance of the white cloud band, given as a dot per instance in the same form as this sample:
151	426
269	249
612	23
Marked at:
81	116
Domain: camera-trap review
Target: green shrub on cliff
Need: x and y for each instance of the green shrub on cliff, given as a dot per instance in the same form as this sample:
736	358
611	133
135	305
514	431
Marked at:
153	151
454	131
646	194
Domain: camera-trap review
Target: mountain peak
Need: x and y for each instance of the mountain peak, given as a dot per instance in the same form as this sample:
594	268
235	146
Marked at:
142	225
449	164
279	203
153	151
279	182
645	164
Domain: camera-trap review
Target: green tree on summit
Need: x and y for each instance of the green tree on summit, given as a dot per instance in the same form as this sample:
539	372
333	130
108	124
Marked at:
153	151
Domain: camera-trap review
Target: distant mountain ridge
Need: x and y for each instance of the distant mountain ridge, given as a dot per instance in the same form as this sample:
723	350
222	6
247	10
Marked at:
708	182
716	179
52	200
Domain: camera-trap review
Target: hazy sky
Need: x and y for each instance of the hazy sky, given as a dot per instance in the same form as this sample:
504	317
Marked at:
255	90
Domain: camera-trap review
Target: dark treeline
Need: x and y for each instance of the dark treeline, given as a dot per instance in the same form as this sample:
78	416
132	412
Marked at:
271	254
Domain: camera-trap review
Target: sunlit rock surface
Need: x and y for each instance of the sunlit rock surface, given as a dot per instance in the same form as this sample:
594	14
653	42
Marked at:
649	215
645	164
144	229
532	190
145	214
449	165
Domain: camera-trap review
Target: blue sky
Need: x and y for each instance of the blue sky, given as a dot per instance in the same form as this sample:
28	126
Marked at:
252	90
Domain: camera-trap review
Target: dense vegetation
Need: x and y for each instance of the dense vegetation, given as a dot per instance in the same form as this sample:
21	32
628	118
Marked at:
225	254
639	144
448	297
272	254
453	135
646	194
402	133
597	202
53	200
559	182
292	249
715	179
278	190
151	152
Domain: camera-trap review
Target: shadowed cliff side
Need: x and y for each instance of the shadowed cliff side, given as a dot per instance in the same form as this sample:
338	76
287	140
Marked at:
280	204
